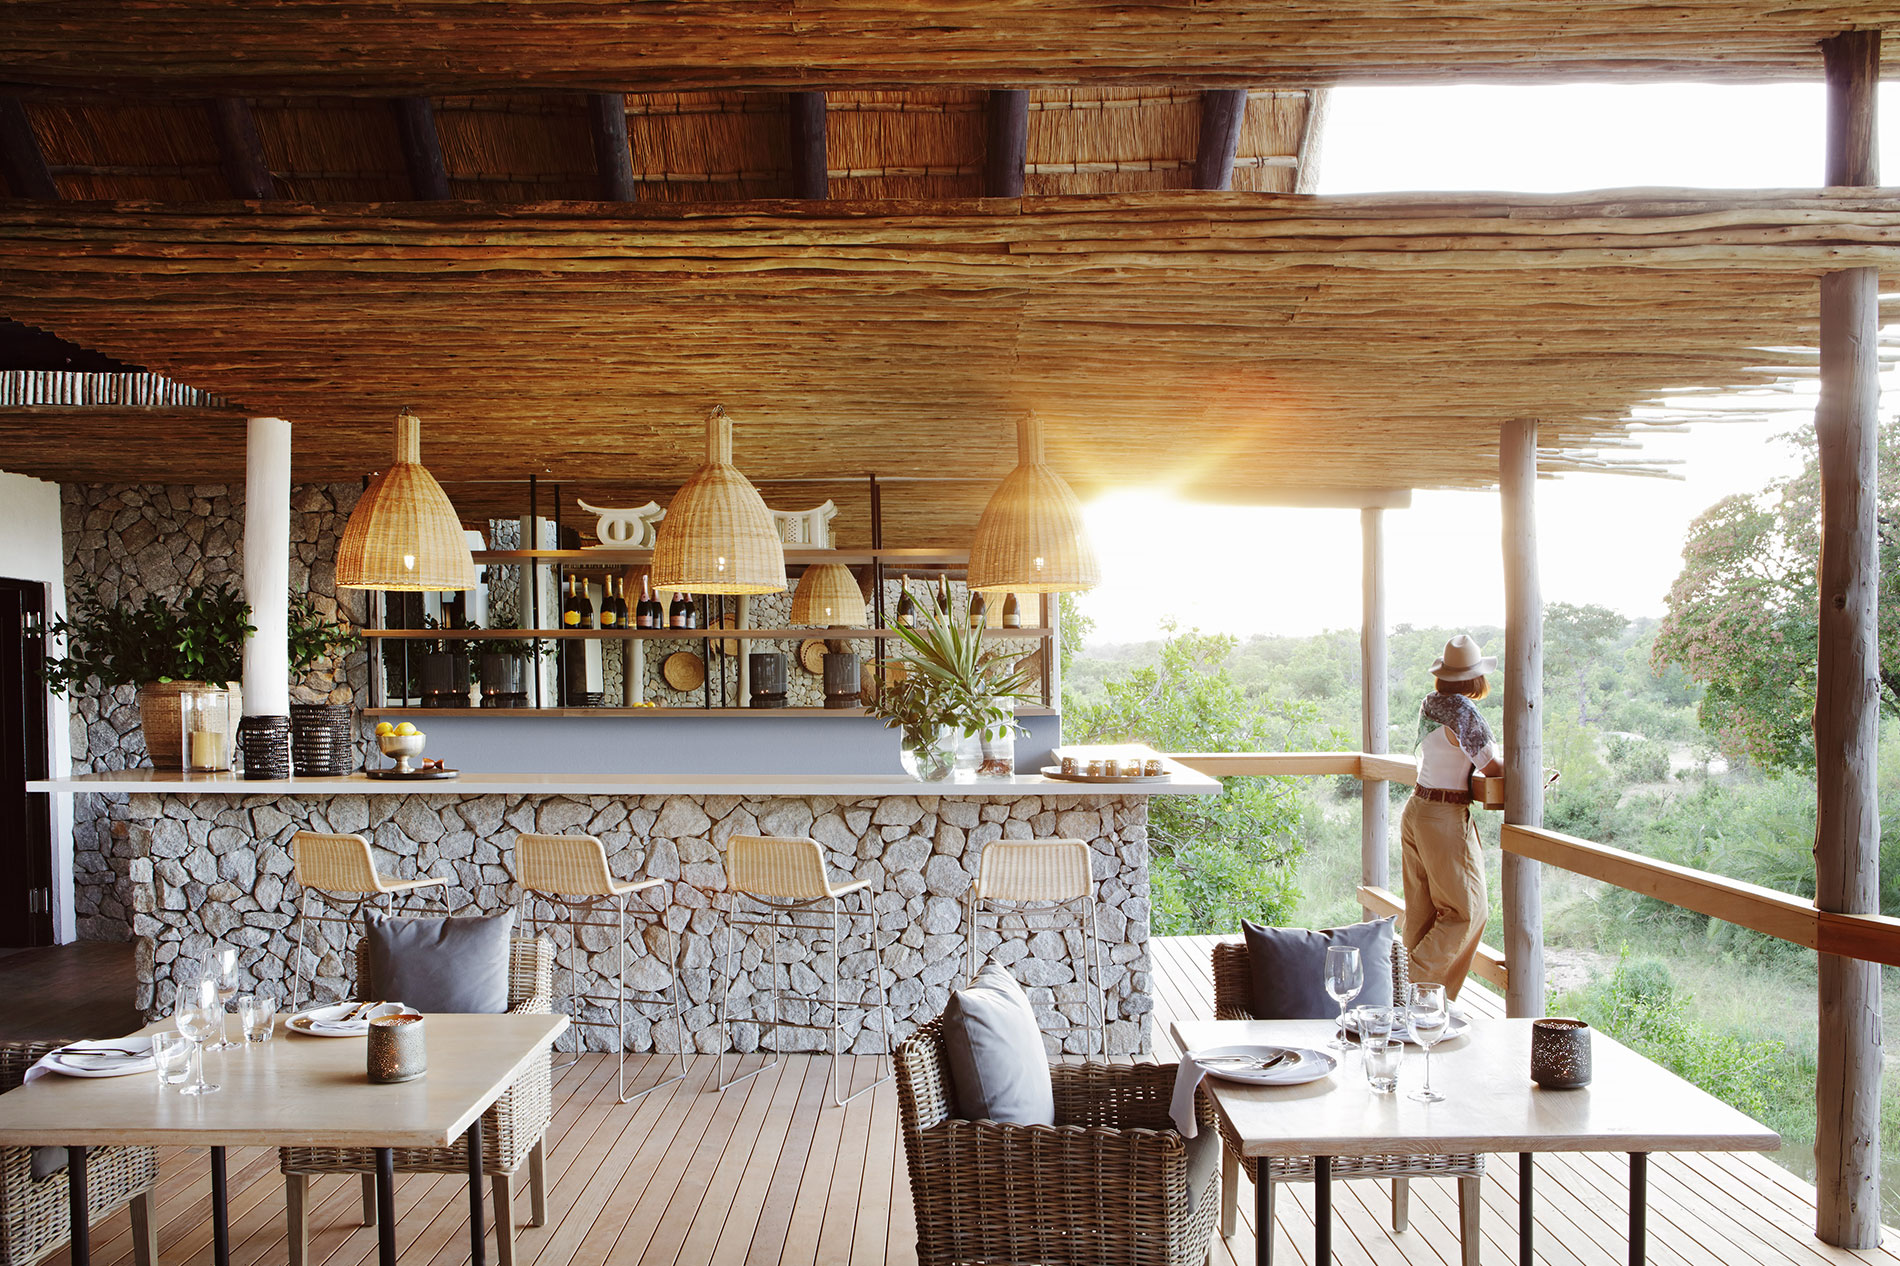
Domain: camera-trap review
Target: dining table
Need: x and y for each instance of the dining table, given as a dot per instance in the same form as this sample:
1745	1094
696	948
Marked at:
1631	1104
294	1090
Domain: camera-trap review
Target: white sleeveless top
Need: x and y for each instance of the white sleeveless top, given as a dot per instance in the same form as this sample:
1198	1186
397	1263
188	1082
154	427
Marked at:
1460	743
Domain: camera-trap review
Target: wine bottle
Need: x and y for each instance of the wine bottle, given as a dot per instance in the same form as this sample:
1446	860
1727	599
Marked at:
583	604
906	618
609	616
694	617
1012	613
649	616
622	616
676	616
570	606
979	610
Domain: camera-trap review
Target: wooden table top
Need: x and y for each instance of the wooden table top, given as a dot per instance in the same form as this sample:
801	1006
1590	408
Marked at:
1491	1104
292	1090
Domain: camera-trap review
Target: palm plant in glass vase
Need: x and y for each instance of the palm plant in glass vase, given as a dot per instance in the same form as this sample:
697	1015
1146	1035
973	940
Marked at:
948	684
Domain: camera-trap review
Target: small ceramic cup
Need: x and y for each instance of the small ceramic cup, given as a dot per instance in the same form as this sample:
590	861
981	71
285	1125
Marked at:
396	1050
1560	1053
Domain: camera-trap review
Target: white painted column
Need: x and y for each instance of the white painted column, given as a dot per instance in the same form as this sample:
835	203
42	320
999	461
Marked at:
267	566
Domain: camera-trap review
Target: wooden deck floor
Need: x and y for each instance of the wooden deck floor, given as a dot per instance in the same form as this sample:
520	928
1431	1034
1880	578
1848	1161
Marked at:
765	1173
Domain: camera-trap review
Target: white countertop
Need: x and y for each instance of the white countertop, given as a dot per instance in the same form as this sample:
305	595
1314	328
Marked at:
1185	782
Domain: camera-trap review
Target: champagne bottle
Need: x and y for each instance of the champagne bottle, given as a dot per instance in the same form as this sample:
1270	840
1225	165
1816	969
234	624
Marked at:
570	607
906	618
694	617
1012	613
583	604
622	616
979	611
649	615
609	613
676	612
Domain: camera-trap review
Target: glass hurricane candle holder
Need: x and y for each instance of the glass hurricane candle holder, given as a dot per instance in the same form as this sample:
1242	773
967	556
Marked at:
204	716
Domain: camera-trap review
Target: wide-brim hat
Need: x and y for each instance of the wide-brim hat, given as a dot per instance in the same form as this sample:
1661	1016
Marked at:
1463	659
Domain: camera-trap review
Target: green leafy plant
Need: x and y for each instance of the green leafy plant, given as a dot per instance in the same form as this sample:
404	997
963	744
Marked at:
198	638
951	679
314	636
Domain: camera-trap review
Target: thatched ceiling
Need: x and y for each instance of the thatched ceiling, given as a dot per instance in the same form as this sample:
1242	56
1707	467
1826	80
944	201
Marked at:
455	45
1229	346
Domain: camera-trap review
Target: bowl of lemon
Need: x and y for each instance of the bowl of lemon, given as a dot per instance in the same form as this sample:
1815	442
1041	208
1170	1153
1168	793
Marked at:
404	742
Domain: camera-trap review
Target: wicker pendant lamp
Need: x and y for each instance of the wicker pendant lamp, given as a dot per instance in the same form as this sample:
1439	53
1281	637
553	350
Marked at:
404	534
828	596
1031	538
717	536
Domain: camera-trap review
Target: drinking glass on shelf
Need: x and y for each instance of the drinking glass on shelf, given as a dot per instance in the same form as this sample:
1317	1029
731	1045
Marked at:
171	1056
223	970
257	1014
1345	977
1430	1016
199	1015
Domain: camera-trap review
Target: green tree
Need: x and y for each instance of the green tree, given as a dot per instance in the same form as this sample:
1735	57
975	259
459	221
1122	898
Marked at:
1743	612
1576	639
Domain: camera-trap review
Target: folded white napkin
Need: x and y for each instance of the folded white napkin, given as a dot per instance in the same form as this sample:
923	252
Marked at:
1187	1079
106	1057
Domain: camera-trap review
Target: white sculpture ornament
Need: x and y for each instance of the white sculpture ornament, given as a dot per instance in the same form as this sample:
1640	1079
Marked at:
625	529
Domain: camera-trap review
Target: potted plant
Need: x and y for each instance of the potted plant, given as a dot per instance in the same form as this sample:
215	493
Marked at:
162	648
320	728
950	686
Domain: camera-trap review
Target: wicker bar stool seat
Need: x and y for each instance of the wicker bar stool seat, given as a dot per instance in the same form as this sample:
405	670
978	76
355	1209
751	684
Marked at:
1046	882
514	1129
1233	987
783	878
340	872
34	1215
569	873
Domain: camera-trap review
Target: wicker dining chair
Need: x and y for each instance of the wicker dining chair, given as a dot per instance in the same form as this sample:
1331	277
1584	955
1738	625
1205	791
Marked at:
33	1211
514	1128
1112	1182
1233	987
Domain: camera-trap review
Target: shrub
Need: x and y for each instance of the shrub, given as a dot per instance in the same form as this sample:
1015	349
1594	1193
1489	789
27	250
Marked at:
1638	759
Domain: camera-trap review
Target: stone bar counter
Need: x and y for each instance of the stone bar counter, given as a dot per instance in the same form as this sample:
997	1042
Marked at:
203	859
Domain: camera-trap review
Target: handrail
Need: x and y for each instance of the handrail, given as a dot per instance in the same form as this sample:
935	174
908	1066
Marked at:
1367	766
1487	964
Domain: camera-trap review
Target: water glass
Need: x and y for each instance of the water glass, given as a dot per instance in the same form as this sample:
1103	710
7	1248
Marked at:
199	1017
1382	1059
1373	1023
1430	1016
222	967
1345	977
171	1054
257	1012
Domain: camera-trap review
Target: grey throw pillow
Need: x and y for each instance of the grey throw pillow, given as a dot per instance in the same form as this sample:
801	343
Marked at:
997	1063
46	1161
439	965
1288	966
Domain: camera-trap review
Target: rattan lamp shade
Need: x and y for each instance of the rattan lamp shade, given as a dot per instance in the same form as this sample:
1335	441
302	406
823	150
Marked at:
1031	538
828	596
404	534
717	536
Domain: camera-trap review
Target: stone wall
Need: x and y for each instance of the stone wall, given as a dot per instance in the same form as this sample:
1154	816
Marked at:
138	539
217	868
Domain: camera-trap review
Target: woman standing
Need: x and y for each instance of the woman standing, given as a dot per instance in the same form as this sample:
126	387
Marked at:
1445	902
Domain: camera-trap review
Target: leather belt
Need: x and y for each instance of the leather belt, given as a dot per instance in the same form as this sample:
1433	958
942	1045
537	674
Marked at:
1438	796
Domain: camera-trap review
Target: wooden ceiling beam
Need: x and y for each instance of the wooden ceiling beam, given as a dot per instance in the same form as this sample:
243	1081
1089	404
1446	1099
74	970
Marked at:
613	155
422	149
810	172
1006	156
21	159
1222	112
241	149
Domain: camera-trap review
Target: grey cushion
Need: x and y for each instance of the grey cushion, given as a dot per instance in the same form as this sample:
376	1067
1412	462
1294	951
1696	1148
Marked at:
997	1063
452	965
47	1161
1288	966
1203	1158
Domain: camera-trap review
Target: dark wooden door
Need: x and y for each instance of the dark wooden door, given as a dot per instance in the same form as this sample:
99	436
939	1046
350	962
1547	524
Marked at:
26	835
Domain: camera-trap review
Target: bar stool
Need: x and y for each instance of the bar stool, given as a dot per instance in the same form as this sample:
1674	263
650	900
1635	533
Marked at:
1017	873
570	872
340	872
788	877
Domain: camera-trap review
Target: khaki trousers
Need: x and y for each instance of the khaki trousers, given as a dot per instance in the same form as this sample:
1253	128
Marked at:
1445	903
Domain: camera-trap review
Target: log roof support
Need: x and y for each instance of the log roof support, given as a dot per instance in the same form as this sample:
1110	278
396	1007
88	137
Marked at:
1523	715
20	158
1375	846
422	149
613	156
1006	154
810	175
1846	710
1222	112
241	149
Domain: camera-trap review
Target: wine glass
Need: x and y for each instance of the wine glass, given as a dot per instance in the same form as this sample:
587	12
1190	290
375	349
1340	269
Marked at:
199	1015
1430	1017
1345	977
223	968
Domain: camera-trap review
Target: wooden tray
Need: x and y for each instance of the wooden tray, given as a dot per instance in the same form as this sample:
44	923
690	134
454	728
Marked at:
414	775
1055	771
684	671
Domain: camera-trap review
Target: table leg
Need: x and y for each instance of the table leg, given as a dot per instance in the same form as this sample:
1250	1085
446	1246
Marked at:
1526	1216
78	1207
1639	1207
220	1211
385	1206
475	1248
1322	1210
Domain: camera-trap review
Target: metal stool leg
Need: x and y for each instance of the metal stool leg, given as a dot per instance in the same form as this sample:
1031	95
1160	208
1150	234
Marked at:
732	932
884	999
672	993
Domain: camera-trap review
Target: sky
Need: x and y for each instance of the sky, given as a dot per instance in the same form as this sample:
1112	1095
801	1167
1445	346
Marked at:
1487	138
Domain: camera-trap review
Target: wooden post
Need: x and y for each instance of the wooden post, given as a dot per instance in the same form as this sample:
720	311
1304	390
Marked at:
21	160
422	149
1222	112
1008	145
241	149
810	168
1846	712
613	157
1523	715
1374	701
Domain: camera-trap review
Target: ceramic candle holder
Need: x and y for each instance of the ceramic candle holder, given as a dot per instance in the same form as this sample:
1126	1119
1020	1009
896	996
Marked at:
1560	1054
396	1050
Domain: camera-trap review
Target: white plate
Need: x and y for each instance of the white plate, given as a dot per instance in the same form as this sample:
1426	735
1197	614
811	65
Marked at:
330	1021
1310	1065
1458	1027
74	1061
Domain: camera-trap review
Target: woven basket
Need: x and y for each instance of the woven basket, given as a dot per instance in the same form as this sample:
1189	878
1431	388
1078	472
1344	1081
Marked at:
717	536
322	742
265	743
162	726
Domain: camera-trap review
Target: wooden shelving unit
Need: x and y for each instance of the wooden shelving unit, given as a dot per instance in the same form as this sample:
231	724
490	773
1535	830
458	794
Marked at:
694	635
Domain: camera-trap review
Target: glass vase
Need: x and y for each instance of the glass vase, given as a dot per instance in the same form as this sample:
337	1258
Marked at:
996	752
204	714
932	761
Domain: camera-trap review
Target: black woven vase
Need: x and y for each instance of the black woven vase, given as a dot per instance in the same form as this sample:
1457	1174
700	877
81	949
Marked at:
265	744
321	739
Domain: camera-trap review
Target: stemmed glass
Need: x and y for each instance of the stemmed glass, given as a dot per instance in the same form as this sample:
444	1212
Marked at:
1345	977
1430	1016
199	1015
223	968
